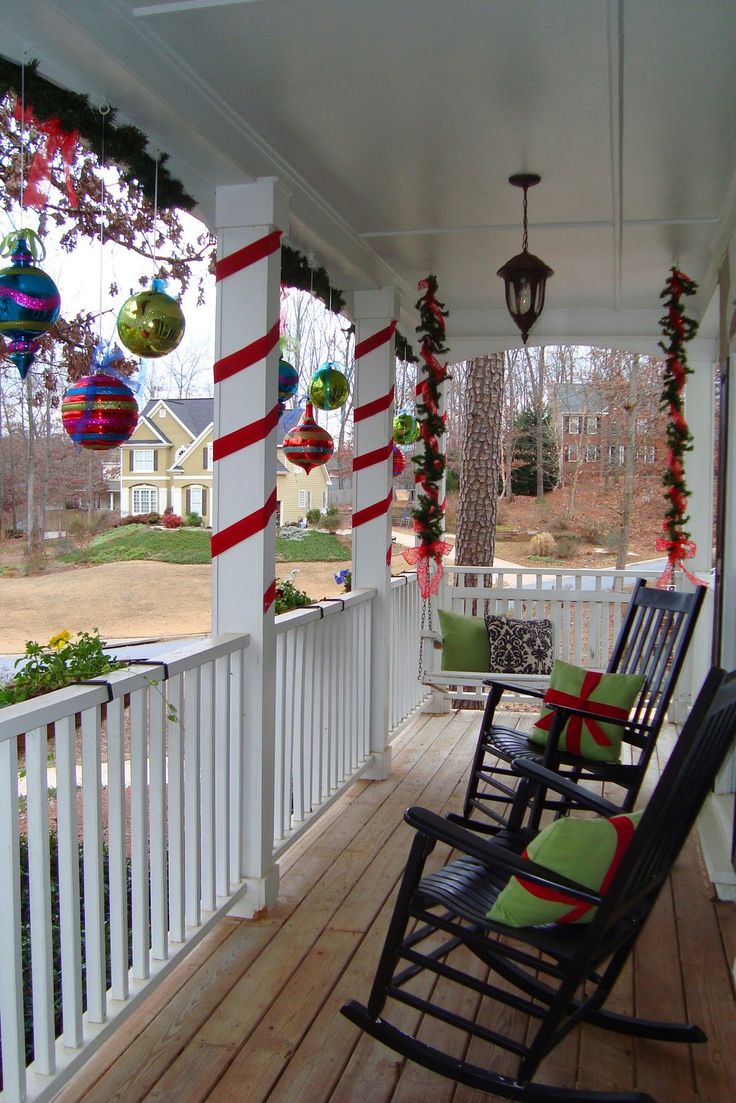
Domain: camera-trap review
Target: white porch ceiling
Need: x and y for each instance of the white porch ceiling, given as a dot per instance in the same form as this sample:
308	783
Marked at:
396	123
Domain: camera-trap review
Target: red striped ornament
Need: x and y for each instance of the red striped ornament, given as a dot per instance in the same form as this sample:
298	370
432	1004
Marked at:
99	412
307	445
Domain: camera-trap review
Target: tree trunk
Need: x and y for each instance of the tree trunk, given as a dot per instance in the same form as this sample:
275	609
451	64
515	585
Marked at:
629	467
480	463
539	411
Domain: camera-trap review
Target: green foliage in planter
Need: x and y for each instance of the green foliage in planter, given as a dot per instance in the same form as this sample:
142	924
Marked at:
288	597
53	665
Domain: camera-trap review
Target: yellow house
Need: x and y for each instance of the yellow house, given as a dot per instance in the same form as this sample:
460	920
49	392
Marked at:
167	463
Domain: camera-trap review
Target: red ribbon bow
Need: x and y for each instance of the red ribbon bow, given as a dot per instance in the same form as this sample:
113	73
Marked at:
677	549
575	725
421	557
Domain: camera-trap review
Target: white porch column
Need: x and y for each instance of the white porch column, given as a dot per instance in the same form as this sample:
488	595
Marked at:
249	218
699	475
375	316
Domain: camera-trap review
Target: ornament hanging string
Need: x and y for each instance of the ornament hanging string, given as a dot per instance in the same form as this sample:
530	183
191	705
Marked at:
677	330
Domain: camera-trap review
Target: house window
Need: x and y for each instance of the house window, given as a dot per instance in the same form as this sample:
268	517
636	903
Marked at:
162	412
647	454
573	425
143	459
616	454
207	457
196	503
145	499
570	453
592	453
305	497
592	425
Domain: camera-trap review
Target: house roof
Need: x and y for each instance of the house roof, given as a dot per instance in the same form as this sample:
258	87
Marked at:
288	421
579	398
194	413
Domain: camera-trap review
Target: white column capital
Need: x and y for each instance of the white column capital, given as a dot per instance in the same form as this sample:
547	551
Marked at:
262	202
380	305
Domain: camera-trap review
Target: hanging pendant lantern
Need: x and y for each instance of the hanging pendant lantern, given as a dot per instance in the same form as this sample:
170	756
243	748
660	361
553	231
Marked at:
307	445
398	461
288	380
99	412
151	323
329	387
525	276
29	299
406	428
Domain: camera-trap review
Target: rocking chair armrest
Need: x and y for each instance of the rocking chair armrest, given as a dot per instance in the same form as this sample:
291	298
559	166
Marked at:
558	783
501	685
442	830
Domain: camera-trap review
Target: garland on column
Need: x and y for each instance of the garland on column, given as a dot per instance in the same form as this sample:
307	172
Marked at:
429	512
677	329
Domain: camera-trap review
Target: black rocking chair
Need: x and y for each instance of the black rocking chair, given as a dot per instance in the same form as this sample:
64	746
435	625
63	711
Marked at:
560	975
653	641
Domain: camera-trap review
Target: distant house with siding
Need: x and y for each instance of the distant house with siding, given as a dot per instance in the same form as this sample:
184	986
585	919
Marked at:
167	463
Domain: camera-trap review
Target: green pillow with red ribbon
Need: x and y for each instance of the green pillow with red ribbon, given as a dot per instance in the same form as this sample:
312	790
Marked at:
608	696
586	851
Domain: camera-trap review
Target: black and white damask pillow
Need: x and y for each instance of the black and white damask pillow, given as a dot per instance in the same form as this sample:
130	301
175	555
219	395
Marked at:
520	646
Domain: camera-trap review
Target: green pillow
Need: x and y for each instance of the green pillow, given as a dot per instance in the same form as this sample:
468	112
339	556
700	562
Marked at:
609	695
586	851
464	642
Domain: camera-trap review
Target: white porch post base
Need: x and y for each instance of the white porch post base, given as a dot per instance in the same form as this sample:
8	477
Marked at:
438	703
260	895
381	767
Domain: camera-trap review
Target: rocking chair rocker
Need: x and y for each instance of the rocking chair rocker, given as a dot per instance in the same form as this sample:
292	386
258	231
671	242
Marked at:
558	974
653	641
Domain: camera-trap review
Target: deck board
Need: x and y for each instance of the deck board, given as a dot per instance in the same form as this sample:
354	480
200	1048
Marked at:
252	1015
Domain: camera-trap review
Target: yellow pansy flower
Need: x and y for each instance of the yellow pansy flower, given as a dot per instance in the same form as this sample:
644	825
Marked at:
61	639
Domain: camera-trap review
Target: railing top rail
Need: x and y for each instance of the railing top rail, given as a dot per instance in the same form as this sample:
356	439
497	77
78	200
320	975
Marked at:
327	607
554	572
38	712
403	579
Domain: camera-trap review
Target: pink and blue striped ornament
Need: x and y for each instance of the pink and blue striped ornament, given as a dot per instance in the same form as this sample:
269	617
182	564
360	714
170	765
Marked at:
29	299
99	412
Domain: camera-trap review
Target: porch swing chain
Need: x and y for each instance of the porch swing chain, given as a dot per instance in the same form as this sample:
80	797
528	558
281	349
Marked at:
426	623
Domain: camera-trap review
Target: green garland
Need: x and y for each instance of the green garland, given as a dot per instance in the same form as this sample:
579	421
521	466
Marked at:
430	464
677	330
124	145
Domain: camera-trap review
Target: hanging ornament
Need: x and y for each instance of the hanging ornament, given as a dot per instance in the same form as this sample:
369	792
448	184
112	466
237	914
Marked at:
288	380
329	387
29	299
398	461
406	428
99	411
307	445
151	323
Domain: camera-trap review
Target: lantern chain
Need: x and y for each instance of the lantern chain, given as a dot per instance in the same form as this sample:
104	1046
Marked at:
525	237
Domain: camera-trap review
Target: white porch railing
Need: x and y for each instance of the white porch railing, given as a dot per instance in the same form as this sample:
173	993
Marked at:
139	779
405	690
323	671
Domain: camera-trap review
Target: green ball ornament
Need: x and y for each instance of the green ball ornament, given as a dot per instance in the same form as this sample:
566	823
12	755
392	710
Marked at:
406	428
329	388
151	323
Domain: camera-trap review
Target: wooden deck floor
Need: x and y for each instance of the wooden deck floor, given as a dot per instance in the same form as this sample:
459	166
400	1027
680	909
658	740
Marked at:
253	1013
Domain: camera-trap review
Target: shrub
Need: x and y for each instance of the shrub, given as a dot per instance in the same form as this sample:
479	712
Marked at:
313	516
193	520
560	523
141	519
331	521
543	543
171	521
566	545
591	532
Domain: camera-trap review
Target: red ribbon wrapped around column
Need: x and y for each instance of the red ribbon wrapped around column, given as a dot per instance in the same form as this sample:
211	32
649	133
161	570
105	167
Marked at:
678	549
